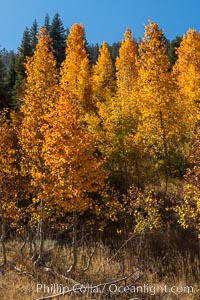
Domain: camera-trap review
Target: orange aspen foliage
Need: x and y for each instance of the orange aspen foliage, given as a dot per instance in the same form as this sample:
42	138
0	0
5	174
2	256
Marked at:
103	83
8	172
75	69
69	152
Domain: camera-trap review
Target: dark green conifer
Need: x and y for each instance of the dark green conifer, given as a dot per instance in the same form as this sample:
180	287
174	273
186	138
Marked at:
47	23
33	35
58	34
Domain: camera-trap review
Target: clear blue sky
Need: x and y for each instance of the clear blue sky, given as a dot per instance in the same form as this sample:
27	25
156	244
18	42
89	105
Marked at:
104	20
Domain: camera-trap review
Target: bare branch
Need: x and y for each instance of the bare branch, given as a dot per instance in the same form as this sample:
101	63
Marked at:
23	272
90	258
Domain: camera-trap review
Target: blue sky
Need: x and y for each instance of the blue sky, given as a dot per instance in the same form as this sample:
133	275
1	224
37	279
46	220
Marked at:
104	20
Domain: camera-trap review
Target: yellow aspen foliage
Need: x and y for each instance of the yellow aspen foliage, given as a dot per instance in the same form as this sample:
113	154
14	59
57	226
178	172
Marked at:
103	83
162	122
39	98
75	69
186	71
126	70
153	70
117	124
189	208
69	153
145	208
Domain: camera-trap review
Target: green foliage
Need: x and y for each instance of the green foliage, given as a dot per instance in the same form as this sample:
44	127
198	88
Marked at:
172	50
33	35
58	35
3	92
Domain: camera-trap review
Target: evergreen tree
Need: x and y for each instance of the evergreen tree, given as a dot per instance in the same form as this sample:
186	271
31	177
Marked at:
11	77
58	35
93	51
6	56
33	35
17	67
3	94
47	23
25	48
172	50
114	51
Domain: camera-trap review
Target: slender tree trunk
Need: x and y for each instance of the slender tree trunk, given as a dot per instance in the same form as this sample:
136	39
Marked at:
126	176
75	224
2	239
166	160
41	235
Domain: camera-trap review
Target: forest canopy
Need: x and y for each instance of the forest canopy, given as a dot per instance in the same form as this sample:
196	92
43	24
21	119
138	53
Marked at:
106	133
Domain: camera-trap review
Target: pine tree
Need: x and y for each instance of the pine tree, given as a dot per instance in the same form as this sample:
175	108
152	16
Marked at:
33	35
172	51
11	77
93	51
114	51
58	35
47	24
3	91
17	67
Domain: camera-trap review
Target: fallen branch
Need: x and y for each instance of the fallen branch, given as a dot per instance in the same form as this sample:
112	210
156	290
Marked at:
23	272
66	278
116	253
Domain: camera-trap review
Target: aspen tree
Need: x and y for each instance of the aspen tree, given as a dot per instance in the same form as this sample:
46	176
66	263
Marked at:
75	69
117	114
189	208
8	175
186	71
126	70
103	83
161	121
69	152
38	100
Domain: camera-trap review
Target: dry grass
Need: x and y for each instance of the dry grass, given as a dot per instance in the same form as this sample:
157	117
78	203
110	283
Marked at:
152	270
